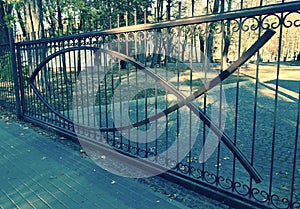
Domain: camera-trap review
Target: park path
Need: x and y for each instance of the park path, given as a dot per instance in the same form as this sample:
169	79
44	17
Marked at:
39	170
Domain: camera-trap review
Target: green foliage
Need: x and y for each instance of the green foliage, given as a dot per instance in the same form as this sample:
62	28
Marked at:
9	20
80	15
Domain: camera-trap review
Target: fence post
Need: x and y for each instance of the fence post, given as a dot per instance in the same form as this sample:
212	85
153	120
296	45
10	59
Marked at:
15	73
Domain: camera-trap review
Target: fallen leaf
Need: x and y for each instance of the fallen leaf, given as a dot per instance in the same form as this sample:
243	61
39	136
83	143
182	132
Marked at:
174	196
226	158
182	168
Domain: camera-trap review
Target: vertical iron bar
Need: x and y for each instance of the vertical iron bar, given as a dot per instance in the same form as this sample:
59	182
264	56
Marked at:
15	73
98	101
70	82
191	59
206	68
76	77
137	110
39	81
135	17
65	83
275	109
92	65
179	10
112	102
120	98
56	87
193	8
237	102
99	64
128	103
51	86
295	150
110	23
167	128
105	93
61	66
146	116
156	124
126	18
118	20
255	106
220	91
178	88
87	87
169	9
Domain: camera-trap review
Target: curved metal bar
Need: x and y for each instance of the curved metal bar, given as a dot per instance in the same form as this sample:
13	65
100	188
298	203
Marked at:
183	100
217	80
39	68
55	54
214	82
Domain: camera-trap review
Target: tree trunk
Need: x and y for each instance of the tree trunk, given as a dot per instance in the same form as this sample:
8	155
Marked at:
28	19
51	19
210	38
195	48
59	18
209	46
41	28
202	48
156	58
32	22
21	22
3	27
184	46
226	50
227	38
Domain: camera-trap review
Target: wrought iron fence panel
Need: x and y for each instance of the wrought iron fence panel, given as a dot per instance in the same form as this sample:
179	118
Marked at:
146	91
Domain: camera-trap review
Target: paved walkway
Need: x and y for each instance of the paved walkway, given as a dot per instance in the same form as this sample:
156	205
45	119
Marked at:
37	171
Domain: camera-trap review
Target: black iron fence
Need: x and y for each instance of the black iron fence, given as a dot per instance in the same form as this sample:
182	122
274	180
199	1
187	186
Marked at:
212	99
7	90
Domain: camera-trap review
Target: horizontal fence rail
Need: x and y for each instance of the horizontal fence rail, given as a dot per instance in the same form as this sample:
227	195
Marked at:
213	100
229	15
